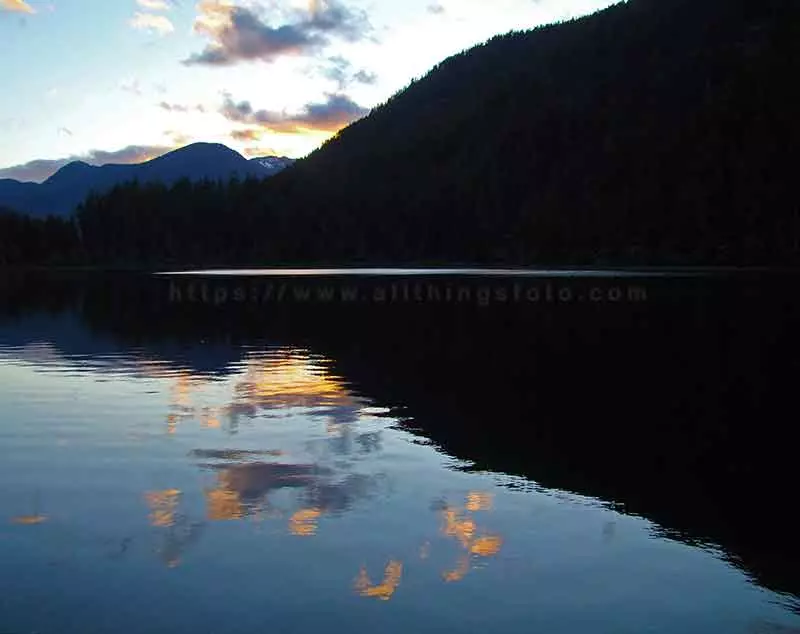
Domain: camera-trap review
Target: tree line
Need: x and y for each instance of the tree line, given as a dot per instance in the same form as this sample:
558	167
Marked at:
650	133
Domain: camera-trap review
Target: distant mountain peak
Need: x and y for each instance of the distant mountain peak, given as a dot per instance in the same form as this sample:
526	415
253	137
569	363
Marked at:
70	170
69	186
205	146
274	164
200	150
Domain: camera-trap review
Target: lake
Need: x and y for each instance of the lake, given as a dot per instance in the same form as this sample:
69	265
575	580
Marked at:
352	451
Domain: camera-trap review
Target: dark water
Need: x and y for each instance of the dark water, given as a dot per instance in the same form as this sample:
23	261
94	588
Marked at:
508	453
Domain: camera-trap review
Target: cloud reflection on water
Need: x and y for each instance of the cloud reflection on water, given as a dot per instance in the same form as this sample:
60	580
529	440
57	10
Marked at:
319	454
266	484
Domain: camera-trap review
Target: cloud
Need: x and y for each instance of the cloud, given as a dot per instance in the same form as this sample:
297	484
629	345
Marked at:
132	86
331	115
177	107
18	6
40	170
36	171
155	5
154	23
365	77
258	151
248	134
241	34
339	70
127	155
179	139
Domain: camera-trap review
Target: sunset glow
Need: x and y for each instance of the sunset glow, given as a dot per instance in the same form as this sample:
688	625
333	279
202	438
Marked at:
261	77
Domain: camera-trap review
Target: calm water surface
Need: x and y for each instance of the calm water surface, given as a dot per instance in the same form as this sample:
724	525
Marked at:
177	467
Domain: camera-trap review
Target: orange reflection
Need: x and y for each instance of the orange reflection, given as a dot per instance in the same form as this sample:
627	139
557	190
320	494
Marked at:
177	539
459	572
29	520
460	526
383	591
182	390
211	423
242	489
487	546
304	522
462	529
223	504
245	478
477	501
279	379
163	505
290	379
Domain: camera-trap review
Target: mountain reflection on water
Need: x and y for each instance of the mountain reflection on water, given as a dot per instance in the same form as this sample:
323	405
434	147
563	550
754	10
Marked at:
619	465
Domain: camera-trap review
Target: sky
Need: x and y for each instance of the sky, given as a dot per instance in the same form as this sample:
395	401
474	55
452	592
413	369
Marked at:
123	81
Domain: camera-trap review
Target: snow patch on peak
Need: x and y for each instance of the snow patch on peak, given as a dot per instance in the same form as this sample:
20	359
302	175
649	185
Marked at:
273	163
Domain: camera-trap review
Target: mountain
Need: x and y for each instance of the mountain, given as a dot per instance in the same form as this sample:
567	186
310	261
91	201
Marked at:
273	164
652	132
655	131
63	191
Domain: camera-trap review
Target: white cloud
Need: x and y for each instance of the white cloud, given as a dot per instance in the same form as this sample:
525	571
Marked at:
154	5
153	23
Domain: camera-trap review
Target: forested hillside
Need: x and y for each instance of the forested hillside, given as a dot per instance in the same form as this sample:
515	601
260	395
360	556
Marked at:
655	132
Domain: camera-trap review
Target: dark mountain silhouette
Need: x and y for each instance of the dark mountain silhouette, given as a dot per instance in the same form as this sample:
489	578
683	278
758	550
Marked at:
14	194
653	132
63	191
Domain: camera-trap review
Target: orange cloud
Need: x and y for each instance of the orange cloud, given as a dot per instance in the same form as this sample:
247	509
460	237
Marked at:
20	6
248	134
333	114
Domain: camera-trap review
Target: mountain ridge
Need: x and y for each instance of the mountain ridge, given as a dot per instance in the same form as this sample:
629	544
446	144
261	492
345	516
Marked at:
652	133
64	190
653	129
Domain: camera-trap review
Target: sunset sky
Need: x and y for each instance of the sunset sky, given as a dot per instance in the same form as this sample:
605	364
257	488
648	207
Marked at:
127	80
